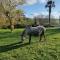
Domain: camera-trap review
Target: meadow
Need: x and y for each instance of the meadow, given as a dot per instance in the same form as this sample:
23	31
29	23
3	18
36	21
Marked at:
12	49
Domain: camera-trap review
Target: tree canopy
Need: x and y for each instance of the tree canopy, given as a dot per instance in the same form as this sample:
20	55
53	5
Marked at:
9	5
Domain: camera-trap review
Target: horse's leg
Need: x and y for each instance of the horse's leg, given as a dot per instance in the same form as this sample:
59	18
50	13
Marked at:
29	38
43	34
40	37
22	35
44	37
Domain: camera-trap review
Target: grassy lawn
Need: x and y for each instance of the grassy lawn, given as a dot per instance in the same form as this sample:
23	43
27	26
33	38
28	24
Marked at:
11	49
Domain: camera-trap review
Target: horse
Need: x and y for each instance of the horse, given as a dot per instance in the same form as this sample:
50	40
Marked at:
33	31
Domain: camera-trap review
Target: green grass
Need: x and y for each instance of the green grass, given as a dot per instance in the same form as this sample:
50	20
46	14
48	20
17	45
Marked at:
11	49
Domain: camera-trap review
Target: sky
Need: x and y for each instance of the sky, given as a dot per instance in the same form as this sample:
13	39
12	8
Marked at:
37	7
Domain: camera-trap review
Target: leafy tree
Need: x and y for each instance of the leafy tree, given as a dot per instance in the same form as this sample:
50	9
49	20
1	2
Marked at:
19	13
8	7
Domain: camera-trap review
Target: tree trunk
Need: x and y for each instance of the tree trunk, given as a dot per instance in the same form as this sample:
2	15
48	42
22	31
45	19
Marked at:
49	15
11	24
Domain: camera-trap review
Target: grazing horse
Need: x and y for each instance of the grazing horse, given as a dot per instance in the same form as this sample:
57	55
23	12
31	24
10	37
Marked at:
34	31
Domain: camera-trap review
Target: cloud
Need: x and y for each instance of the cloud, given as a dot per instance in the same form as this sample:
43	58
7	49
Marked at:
31	2
42	1
36	14
56	14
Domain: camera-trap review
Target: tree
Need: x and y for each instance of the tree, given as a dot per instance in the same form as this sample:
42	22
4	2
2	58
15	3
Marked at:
19	13
50	4
8	8
19	16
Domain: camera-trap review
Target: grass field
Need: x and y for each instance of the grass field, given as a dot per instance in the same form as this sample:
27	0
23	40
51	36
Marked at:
11	49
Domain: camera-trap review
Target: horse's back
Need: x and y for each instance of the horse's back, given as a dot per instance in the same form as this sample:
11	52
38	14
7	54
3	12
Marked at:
35	30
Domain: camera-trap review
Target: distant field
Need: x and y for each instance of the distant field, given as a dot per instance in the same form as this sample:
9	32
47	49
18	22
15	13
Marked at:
11	49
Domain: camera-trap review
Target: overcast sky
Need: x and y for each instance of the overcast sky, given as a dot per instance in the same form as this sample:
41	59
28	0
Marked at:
37	7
